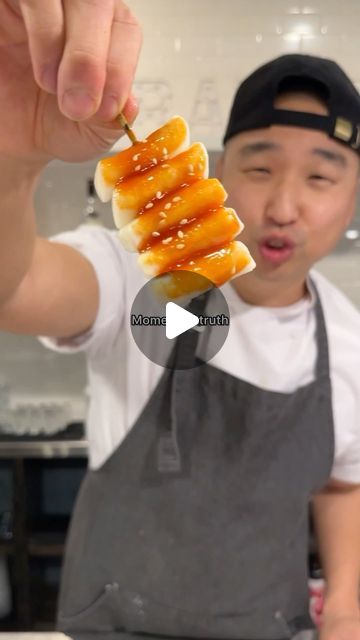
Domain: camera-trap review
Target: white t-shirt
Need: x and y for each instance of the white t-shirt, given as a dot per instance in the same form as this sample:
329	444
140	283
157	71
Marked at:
273	348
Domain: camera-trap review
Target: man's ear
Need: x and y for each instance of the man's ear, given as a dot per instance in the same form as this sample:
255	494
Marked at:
219	167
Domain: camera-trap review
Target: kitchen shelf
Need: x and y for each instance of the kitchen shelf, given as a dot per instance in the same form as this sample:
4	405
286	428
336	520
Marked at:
38	538
66	444
44	545
6	548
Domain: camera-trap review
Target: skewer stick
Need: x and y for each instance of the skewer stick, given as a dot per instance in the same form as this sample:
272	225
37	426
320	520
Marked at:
125	125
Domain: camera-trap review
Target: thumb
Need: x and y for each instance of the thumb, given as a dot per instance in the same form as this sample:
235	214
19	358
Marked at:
112	131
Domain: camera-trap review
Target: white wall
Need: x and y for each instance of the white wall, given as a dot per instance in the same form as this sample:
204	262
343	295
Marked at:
196	52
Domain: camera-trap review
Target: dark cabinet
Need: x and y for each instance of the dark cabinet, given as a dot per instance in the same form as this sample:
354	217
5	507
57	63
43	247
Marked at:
44	478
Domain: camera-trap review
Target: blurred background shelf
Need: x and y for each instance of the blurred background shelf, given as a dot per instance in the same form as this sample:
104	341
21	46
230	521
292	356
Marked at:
45	476
46	544
6	548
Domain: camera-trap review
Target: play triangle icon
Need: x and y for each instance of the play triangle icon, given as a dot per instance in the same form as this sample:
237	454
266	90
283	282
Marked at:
178	320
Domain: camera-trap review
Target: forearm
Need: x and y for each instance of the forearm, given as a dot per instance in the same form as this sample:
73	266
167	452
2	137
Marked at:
17	223
337	523
46	288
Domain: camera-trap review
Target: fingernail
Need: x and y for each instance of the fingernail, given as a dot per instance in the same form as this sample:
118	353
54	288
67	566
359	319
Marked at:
109	108
78	104
131	108
48	78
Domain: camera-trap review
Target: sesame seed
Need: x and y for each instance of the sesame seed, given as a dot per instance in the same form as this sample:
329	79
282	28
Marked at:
191	262
158	195
233	270
168	206
151	178
136	157
180	234
191	167
138	167
180	246
176	199
183	221
162	214
154	161
165	151
165	166
155	234
191	173
149	205
167	240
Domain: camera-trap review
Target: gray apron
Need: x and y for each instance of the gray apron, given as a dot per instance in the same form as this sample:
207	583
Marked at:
197	525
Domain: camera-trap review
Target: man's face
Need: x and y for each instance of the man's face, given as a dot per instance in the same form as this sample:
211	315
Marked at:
294	189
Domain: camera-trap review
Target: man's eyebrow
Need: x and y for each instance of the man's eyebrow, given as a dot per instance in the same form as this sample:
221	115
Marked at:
252	148
257	147
332	156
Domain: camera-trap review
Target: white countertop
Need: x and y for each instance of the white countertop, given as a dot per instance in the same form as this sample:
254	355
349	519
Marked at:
46	635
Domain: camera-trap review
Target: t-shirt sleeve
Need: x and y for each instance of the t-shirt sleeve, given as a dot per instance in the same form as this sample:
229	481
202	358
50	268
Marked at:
343	326
346	466
102	248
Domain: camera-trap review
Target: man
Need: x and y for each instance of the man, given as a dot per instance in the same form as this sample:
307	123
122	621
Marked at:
219	547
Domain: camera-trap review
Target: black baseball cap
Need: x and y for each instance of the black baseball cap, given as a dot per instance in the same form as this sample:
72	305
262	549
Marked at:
253	106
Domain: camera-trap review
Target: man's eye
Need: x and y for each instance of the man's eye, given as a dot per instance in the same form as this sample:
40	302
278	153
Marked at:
258	170
318	177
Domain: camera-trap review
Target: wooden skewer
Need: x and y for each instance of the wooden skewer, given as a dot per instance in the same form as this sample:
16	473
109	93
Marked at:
125	125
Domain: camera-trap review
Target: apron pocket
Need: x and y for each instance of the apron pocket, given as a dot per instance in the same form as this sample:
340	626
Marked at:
120	609
97	616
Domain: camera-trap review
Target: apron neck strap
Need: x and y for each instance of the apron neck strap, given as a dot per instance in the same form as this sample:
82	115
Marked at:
183	354
322	362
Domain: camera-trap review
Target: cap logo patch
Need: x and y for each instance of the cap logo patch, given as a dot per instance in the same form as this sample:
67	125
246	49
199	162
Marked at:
343	129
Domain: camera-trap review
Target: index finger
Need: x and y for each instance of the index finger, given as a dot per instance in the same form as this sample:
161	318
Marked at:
44	23
123	54
101	51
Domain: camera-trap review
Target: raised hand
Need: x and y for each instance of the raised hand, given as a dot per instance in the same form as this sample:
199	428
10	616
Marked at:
66	70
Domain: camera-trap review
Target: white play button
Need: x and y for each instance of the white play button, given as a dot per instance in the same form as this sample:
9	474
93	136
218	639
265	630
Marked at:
178	320
161	312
